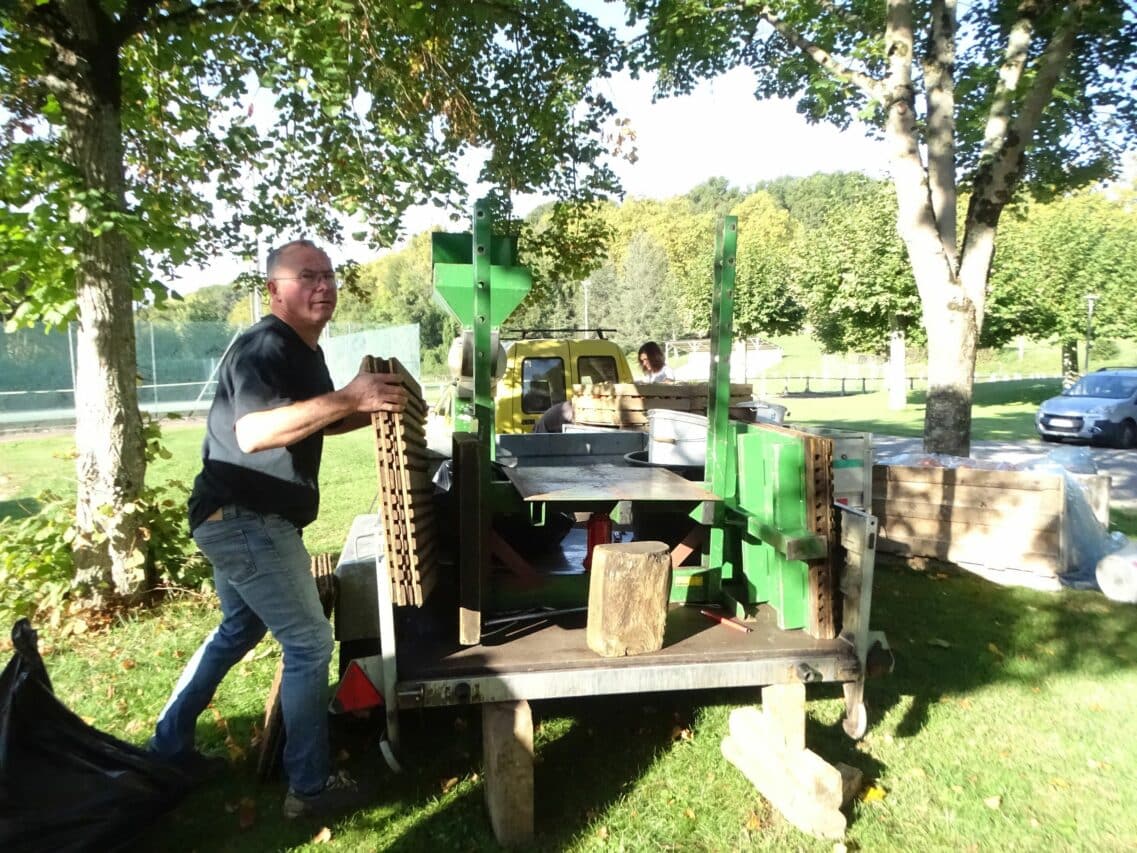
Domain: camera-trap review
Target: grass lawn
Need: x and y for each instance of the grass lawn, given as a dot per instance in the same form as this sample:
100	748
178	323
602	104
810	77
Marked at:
1007	724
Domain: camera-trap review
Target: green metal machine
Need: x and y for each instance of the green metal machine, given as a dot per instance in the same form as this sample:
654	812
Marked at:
477	279
775	558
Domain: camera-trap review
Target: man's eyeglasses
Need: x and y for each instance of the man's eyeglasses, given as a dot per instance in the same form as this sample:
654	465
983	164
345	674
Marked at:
312	277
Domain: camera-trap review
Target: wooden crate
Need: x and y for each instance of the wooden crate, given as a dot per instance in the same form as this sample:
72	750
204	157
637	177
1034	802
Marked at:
1009	526
625	404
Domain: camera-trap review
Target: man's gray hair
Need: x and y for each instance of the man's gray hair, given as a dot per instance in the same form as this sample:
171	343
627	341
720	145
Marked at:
274	256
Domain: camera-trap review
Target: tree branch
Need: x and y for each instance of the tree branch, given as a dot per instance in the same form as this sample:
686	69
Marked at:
938	64
838	66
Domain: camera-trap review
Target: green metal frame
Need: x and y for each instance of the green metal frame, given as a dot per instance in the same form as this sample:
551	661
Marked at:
759	537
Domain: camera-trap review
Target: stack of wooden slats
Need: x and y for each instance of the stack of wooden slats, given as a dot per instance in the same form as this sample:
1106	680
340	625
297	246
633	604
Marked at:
626	404
405	490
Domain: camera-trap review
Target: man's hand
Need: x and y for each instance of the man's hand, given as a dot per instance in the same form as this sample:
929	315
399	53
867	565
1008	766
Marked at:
377	392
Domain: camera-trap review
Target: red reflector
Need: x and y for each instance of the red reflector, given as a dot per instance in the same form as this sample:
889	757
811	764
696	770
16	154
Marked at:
355	691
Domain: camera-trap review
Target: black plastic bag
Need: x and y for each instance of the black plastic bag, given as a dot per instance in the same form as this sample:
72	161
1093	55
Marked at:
64	785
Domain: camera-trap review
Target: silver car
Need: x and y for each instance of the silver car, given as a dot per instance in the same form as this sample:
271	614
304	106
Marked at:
1101	407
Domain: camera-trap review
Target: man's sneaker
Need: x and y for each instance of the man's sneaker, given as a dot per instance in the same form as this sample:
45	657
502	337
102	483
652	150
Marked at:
340	794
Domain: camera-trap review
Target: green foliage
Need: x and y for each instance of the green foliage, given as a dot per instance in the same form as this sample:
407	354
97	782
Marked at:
855	274
1052	256
37	571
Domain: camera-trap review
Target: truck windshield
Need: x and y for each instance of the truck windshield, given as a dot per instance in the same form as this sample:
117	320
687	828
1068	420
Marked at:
1115	387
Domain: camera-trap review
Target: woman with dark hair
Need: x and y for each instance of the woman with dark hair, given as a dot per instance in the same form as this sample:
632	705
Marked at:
653	364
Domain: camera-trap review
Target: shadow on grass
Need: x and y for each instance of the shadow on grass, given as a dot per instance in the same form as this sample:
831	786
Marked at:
953	633
19	508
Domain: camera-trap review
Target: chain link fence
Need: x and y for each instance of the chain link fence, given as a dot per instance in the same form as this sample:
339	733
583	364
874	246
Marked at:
177	364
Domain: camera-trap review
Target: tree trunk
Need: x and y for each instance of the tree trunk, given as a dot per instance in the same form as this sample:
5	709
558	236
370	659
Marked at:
897	368
1069	362
110	553
952	337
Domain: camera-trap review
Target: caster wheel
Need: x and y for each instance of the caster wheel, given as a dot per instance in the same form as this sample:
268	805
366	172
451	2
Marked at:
389	756
856	721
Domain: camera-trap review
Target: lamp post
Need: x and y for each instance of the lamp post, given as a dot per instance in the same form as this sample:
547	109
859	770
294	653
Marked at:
1091	298
587	282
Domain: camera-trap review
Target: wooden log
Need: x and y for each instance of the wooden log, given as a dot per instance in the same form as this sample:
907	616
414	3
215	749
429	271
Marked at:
768	774
627	598
507	747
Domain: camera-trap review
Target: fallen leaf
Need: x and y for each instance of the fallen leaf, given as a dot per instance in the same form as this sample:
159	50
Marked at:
938	643
753	822
322	837
449	784
993	802
690	813
873	794
1059	783
681	733
993	649
128	663
917	773
602	833
246	812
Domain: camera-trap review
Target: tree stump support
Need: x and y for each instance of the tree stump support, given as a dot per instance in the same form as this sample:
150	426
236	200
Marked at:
627	598
768	746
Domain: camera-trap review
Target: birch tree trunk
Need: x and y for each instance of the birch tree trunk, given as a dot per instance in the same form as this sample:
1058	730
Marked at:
109	552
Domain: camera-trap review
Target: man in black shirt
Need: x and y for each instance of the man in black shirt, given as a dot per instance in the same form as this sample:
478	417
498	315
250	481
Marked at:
257	489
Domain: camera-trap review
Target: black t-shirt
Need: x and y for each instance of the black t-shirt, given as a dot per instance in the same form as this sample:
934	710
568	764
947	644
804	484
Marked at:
267	367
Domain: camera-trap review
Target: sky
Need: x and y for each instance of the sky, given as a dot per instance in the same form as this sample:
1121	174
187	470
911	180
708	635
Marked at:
718	130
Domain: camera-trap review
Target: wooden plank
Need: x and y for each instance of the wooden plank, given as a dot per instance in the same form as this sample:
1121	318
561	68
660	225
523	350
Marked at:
1022	517
473	536
823	613
1046	564
983	497
994	537
1016	480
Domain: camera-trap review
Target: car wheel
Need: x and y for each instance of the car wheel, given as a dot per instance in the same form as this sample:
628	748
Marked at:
1128	437
1050	438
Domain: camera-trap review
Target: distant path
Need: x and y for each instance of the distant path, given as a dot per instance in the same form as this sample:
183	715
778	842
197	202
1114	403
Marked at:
1121	465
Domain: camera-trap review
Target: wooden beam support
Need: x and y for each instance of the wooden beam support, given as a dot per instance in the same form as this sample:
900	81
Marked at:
507	747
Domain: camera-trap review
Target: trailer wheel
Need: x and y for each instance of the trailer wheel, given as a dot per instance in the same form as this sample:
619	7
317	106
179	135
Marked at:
856	722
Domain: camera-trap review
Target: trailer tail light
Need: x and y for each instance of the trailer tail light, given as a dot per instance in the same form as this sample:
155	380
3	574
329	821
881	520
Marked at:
355	691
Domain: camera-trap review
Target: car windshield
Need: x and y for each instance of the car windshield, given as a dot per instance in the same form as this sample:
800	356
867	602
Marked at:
1116	387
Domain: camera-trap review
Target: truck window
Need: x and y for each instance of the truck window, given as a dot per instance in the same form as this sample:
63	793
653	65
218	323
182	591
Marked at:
542	384
596	368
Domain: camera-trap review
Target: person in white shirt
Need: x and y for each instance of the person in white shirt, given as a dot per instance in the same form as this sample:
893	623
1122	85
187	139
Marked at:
653	364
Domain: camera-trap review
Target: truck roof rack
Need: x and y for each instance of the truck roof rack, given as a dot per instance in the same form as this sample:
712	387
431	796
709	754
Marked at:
527	334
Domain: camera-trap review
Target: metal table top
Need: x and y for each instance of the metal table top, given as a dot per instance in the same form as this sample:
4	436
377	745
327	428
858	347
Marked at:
604	483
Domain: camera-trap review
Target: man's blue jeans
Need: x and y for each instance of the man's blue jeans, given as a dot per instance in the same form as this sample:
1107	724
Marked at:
264	580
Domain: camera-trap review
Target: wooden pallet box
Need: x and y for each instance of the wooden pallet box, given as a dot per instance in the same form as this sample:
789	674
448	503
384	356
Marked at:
626	404
1009	526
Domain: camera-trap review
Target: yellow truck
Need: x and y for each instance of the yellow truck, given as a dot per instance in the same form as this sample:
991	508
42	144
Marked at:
532	374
